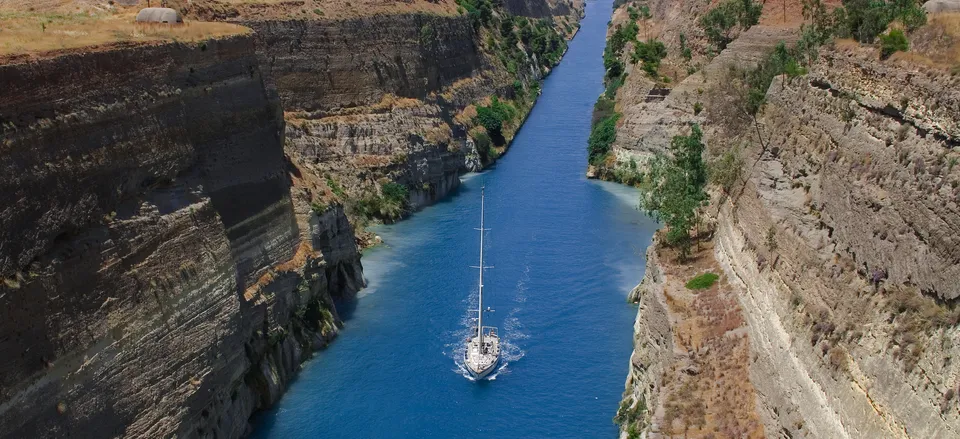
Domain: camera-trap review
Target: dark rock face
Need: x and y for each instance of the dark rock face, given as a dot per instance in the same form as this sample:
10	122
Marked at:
328	64
159	279
530	8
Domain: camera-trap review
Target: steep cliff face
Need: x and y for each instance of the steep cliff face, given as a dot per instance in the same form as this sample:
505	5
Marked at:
315	64
159	278
358	119
858	189
388	95
837	241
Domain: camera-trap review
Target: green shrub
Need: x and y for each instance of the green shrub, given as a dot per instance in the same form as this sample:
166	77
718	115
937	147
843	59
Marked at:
603	109
611	53
895	41
395	192
719	22
650	54
865	20
482	140
702	282
614	85
778	62
602	136
725	171
490	121
426	34
675	189
318	207
335	188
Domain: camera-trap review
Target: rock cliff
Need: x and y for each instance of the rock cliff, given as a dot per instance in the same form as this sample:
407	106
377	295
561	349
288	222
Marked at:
835	246
381	98
159	276
175	231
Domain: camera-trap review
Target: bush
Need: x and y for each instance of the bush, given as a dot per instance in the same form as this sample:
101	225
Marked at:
718	23
778	62
426	34
493	117
613	86
865	20
335	188
703	281
395	192
603	109
389	206
650	54
481	139
611	53
725	171
895	41
602	136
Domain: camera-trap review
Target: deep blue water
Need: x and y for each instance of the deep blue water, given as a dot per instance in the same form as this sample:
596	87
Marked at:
566	252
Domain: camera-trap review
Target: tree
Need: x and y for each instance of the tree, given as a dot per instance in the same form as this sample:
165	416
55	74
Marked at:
718	23
602	136
675	189
725	171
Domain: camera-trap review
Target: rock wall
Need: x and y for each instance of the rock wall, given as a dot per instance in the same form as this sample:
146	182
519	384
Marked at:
838	242
382	98
858	191
331	64
159	277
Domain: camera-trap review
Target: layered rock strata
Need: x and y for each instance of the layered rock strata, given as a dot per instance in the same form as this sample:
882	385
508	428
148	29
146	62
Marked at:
837	243
159	276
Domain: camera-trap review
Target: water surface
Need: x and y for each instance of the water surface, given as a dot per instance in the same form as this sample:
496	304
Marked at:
566	252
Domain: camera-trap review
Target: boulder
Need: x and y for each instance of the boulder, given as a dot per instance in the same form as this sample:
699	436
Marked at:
935	6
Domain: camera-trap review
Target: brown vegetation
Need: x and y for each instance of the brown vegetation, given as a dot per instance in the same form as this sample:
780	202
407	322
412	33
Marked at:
309	9
707	392
35	32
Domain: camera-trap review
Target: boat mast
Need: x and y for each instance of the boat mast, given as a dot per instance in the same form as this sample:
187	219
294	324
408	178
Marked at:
480	303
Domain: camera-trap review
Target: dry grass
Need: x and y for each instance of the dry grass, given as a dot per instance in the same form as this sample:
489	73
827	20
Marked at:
935	45
38	32
787	13
707	392
319	9
939	40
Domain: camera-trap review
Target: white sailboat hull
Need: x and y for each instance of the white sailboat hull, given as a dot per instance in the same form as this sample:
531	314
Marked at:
481	374
481	359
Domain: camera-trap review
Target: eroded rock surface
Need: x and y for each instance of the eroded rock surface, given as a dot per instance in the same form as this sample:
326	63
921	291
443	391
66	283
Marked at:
159	279
838	242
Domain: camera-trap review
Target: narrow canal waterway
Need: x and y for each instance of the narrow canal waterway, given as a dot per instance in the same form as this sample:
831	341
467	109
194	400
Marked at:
566	252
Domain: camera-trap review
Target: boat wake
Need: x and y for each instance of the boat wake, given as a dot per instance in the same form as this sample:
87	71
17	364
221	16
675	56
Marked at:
512	331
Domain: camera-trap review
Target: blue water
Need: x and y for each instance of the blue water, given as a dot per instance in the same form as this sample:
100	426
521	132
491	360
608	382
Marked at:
566	252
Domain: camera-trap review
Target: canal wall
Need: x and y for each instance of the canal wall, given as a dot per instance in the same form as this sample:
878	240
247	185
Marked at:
832	244
180	218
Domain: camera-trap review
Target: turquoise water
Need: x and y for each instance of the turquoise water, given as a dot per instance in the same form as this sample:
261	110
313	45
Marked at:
566	252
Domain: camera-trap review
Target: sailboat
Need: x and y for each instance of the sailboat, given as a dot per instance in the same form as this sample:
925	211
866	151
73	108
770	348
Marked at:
483	347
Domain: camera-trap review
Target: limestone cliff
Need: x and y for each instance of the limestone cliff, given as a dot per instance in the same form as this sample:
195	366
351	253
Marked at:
390	96
159	276
835	247
175	230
